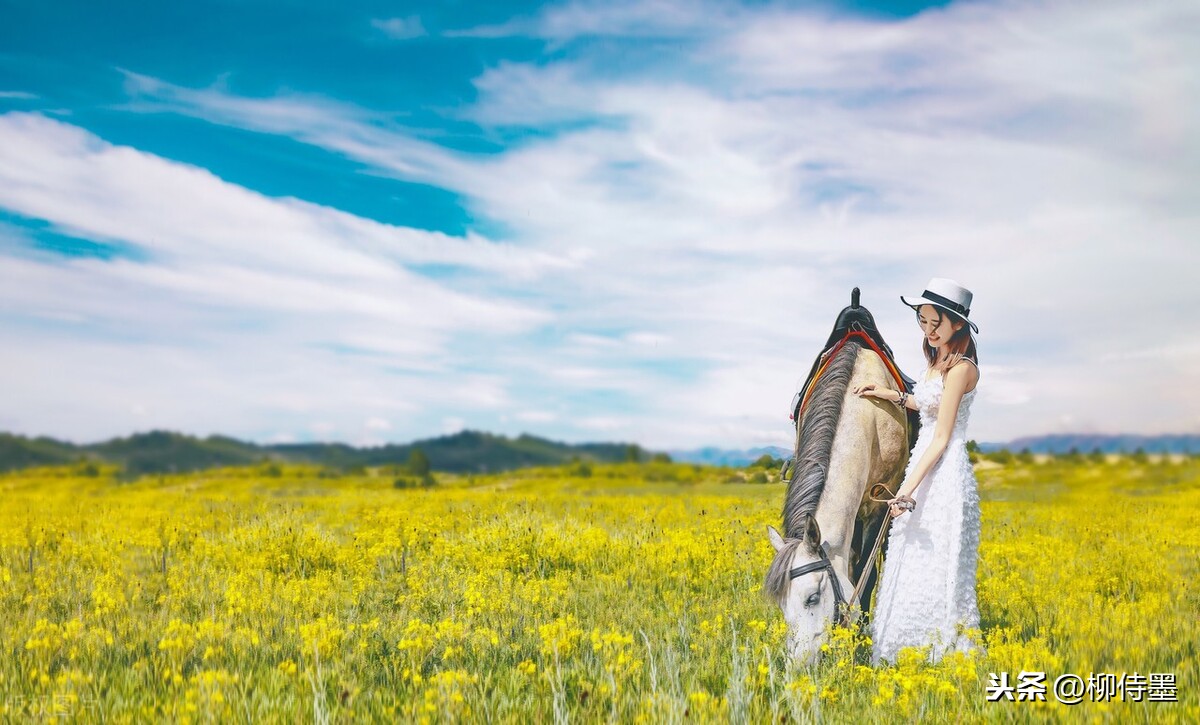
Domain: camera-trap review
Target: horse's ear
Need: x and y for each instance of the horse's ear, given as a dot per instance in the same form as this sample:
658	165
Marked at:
776	539
812	531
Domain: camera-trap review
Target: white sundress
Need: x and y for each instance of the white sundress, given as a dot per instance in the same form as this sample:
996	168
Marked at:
926	592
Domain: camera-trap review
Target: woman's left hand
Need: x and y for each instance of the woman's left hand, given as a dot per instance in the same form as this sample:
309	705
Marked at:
896	507
871	390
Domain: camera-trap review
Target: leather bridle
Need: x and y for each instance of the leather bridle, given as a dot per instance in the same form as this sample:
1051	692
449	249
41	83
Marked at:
841	607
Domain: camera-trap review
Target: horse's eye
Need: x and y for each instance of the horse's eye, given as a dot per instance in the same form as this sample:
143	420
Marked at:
812	599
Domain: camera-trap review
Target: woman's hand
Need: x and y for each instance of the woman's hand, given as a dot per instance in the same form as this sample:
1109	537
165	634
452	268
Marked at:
900	504
871	390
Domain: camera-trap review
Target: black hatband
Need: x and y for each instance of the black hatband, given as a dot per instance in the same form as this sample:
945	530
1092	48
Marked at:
964	311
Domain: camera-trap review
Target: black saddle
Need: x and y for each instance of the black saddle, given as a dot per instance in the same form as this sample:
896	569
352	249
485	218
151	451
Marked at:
857	317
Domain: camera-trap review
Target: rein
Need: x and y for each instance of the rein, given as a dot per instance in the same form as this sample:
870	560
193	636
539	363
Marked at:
842	606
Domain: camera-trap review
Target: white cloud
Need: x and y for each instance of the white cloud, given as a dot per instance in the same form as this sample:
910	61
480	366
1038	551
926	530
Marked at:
650	339
536	416
606	423
319	121
61	173
377	423
663	19
400	28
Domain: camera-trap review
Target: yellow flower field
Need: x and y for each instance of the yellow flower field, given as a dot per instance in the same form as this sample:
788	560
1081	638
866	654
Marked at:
631	594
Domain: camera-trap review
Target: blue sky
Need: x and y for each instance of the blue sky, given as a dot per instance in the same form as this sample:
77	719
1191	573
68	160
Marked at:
374	222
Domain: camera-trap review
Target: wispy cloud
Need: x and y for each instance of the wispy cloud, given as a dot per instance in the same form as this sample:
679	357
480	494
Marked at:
400	28
625	19
61	173
338	126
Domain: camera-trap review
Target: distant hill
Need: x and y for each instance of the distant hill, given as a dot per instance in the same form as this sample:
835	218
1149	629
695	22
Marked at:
161	451
164	451
21	452
713	456
1087	442
1057	444
469	451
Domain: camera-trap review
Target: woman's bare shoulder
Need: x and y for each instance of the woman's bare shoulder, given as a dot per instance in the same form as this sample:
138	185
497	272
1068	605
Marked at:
969	373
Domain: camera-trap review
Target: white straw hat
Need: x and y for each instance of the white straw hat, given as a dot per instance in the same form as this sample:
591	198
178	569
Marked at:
944	293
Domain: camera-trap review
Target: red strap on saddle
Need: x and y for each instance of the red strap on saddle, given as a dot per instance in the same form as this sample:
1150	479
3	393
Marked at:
831	353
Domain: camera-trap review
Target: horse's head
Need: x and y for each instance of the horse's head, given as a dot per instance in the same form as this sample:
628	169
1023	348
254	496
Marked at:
807	588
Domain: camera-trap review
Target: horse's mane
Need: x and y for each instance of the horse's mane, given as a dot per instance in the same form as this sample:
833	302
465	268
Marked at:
814	445
810	464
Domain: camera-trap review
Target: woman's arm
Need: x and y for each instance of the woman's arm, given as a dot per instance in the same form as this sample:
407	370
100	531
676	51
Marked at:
957	379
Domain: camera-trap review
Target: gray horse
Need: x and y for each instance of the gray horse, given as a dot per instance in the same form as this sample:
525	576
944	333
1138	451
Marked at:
844	444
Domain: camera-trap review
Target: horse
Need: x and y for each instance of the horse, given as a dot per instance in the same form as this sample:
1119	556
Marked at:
843	444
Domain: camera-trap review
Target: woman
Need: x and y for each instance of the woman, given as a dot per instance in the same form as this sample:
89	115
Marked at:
927	588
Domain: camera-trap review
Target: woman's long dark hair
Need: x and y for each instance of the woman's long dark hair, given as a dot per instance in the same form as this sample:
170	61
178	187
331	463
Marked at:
962	341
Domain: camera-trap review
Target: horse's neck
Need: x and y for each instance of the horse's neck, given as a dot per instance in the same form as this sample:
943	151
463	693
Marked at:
849	474
885	436
840	499
837	510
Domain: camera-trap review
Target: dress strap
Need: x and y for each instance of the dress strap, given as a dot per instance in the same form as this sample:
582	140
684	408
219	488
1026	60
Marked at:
977	373
967	359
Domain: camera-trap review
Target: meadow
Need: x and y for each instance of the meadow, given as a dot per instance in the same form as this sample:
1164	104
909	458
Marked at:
620	592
